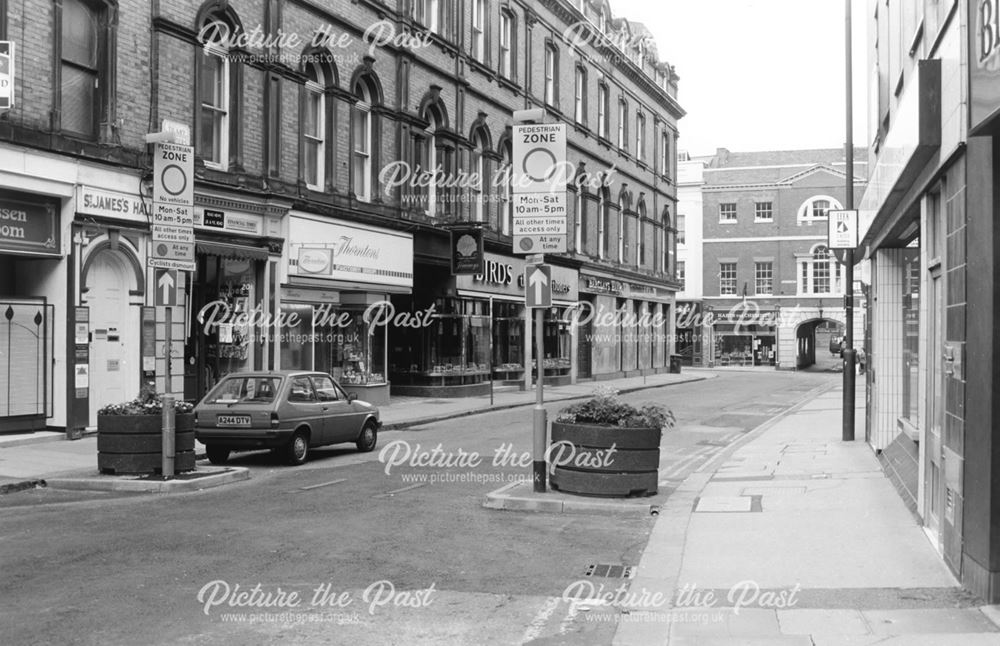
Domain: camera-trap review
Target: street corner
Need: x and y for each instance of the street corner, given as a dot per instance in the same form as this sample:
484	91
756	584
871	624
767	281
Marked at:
200	478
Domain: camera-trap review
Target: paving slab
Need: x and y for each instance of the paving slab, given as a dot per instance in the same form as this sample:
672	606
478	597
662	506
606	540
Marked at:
931	620
829	622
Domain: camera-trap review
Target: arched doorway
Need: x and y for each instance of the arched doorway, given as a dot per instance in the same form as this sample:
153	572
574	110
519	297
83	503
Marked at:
815	341
114	324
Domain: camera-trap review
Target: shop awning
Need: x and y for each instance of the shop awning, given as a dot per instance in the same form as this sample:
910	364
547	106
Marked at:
227	250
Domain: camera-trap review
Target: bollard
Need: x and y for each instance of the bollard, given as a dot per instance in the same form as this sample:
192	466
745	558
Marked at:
169	435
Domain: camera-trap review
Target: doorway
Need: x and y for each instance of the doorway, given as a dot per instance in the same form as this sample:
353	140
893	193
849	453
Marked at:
114	350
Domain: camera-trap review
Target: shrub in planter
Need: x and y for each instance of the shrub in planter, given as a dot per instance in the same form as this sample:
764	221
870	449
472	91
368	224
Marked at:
604	446
129	435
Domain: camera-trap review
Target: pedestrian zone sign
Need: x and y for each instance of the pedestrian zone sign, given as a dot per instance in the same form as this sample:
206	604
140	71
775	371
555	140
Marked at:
842	232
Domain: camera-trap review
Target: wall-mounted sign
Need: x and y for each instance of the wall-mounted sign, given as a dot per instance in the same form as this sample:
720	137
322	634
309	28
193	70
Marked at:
6	74
109	204
29	224
467	250
315	261
231	221
984	64
356	254
504	276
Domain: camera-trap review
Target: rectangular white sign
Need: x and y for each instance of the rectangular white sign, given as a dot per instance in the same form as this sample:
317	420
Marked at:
843	229
540	243
325	248
6	74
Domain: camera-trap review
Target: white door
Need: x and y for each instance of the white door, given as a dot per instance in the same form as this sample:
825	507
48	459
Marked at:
114	325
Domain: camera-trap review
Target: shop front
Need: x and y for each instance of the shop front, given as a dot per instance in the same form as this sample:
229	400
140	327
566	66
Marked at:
626	327
335	301
237	250
742	334
689	342
479	333
30	254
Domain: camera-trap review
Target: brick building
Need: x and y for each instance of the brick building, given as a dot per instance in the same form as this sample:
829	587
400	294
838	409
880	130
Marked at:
771	289
314	128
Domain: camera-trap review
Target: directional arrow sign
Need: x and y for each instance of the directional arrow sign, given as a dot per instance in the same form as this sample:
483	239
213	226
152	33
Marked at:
538	286
166	283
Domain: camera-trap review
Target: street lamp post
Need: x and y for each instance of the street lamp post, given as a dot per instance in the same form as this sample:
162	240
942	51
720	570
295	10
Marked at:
847	434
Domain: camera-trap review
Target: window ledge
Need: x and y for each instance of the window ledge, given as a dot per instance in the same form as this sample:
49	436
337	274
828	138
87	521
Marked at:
908	429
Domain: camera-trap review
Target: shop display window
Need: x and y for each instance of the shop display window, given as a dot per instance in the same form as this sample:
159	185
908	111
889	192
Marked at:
232	283
556	341
508	337
455	347
334	339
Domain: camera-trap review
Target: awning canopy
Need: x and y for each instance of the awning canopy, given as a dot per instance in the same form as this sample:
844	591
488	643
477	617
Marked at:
233	251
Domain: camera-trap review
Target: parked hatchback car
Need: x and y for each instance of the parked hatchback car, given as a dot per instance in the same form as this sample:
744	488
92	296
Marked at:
286	411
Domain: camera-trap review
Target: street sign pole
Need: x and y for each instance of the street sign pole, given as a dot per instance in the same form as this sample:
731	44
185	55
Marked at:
539	416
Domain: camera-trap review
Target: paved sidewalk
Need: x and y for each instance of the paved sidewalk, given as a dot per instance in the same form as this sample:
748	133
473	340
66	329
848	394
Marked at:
795	537
29	458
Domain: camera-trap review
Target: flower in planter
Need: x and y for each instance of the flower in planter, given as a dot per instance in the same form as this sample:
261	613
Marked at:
606	407
148	402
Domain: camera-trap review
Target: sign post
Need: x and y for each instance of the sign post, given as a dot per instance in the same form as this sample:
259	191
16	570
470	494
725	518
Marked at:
173	207
539	226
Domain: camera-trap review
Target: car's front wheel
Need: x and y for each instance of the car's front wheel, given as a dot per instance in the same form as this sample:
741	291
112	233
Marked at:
368	438
217	454
297	449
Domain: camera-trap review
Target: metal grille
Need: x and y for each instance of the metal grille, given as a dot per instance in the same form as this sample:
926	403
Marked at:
610	571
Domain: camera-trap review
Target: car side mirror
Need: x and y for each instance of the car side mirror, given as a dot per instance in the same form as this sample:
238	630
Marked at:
352	396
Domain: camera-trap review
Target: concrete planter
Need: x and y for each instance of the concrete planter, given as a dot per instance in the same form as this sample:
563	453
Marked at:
132	444
584	464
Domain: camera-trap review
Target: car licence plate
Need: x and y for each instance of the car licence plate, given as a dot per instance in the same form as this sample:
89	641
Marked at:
233	420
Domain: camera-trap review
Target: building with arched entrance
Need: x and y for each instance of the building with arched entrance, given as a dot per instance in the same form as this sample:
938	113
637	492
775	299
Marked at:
772	291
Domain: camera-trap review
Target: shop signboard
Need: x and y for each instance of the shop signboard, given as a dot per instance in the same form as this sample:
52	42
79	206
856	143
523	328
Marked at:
29	224
539	195
466	250
984	65
503	276
335	250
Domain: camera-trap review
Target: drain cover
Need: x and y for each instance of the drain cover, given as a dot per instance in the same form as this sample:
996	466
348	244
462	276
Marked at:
610	571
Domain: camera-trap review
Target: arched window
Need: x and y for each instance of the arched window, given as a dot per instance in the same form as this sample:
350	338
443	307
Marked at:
362	128
580	223
602	110
432	157
580	95
314	127
640	136
481	171
215	89
816	208
819	272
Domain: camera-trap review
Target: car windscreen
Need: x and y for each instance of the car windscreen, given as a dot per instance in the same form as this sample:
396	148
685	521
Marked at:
233	390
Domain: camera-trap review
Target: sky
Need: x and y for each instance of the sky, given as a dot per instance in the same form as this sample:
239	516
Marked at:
759	75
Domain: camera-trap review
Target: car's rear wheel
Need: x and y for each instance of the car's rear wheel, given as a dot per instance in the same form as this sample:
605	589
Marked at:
368	438
297	449
217	454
